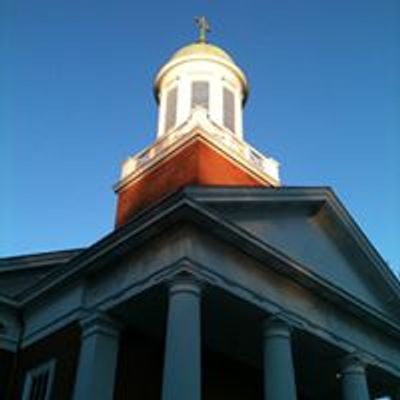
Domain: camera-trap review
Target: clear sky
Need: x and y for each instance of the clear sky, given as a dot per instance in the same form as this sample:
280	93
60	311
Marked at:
76	99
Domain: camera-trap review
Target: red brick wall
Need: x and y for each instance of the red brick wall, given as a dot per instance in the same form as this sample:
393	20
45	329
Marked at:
196	164
63	346
225	378
7	365
215	169
139	371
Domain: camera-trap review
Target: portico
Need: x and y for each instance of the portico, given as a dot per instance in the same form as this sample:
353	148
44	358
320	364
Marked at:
198	328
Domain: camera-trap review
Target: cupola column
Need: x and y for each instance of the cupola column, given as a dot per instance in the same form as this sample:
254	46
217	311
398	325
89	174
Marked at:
354	380
98	358
182	363
183	99
279	375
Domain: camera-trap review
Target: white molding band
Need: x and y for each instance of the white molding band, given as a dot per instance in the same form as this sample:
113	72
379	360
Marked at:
8	343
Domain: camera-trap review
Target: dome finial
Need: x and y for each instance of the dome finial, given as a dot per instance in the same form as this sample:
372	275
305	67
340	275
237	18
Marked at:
204	27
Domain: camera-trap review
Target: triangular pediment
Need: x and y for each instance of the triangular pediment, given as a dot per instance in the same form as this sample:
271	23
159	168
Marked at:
311	227
305	234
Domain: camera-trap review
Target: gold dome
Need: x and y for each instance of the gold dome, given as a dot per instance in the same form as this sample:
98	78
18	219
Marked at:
202	49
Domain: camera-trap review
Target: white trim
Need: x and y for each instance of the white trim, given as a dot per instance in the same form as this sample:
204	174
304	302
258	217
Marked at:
47	329
48	367
9	343
265	169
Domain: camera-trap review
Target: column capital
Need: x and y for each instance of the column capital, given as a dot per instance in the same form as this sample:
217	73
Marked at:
354	377
98	357
279	374
277	325
354	363
98	322
185	283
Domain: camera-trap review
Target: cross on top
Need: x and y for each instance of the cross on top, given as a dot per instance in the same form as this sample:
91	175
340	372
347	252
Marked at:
204	28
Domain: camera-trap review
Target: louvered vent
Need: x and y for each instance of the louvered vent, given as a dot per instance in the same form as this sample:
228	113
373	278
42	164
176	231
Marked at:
170	118
229	110
200	94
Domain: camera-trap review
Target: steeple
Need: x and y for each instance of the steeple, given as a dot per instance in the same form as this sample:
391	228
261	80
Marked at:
201	93
204	28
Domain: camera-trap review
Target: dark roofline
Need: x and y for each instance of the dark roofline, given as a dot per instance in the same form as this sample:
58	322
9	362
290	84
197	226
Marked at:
37	260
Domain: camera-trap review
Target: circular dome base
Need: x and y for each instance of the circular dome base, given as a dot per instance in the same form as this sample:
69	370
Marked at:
202	49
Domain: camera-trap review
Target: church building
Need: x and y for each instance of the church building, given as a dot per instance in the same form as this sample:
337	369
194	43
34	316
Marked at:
218	281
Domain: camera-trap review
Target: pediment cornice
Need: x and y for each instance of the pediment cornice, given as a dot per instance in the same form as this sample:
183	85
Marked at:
314	199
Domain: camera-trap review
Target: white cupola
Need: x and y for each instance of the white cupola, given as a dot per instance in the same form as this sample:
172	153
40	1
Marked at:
201	75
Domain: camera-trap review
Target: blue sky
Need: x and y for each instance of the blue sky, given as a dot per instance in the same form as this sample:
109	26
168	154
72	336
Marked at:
76	99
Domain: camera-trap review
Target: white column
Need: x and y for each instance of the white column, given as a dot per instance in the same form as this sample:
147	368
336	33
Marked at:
279	375
215	107
182	363
354	380
161	113
98	358
238	113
